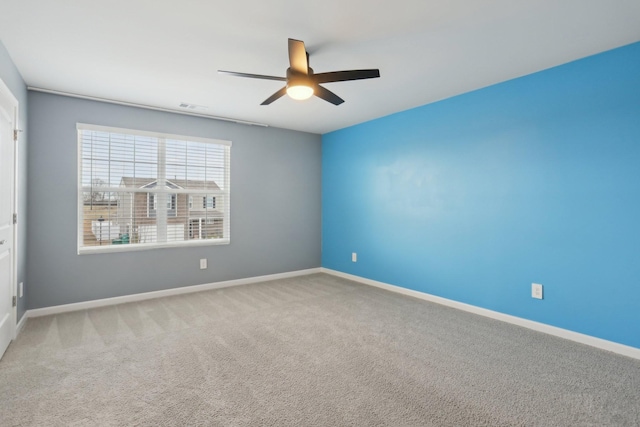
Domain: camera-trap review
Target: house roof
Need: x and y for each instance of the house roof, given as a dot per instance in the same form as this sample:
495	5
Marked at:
191	184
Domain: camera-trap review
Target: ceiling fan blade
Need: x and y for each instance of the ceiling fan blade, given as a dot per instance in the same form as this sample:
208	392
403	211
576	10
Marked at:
278	94
343	76
253	76
298	56
327	95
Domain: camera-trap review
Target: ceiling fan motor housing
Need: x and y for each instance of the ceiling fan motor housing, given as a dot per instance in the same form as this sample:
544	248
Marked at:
295	78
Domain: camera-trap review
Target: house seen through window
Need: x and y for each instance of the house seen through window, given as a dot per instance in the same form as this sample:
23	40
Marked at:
142	190
209	202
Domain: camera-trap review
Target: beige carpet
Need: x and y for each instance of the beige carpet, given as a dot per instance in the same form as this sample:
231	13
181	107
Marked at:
309	351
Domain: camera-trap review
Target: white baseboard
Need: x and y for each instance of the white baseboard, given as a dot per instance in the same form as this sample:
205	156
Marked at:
46	311
20	325
600	343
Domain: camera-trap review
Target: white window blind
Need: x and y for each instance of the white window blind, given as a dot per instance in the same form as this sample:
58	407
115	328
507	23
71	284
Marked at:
136	190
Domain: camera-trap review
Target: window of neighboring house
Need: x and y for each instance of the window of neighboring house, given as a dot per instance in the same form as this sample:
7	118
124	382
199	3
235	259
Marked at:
125	175
208	202
152	205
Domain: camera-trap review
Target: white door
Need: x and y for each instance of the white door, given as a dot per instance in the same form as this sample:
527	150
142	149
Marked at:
8	109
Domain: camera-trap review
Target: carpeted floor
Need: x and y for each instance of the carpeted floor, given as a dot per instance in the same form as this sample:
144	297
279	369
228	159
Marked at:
310	351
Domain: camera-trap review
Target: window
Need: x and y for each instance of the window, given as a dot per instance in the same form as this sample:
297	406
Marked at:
125	175
152	205
208	202
152	200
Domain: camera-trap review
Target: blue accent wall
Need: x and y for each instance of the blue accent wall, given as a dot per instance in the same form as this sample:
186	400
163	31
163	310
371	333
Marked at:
475	197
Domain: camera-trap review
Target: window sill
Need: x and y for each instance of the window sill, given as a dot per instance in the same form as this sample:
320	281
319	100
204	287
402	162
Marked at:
90	250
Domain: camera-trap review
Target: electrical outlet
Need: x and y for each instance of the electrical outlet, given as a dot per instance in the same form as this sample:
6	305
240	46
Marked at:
203	264
354	257
21	289
536	291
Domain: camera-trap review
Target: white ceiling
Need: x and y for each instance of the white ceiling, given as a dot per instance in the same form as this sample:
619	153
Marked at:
162	53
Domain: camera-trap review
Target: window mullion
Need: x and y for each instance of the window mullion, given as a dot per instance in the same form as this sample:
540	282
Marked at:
227	189
161	197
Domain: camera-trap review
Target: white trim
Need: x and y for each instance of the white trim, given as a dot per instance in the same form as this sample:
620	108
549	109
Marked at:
16	164
589	340
46	311
111	129
529	324
21	323
147	107
6	93
80	207
92	250
16	243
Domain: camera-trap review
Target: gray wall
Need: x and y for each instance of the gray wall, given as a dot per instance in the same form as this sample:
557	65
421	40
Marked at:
275	206
12	78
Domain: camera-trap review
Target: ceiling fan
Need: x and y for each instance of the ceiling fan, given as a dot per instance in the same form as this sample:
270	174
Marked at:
302	82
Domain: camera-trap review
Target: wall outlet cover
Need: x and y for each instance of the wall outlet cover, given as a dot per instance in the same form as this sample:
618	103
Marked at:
536	291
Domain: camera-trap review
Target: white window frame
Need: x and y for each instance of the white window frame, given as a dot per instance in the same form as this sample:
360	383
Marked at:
224	192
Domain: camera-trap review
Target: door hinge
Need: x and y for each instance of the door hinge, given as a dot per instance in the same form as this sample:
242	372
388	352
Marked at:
15	301
15	135
15	218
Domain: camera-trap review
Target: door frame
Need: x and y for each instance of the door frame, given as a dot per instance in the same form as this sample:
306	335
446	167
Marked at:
13	101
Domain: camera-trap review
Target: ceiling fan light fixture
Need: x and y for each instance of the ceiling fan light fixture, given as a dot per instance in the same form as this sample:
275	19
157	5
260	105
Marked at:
300	92
299	85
